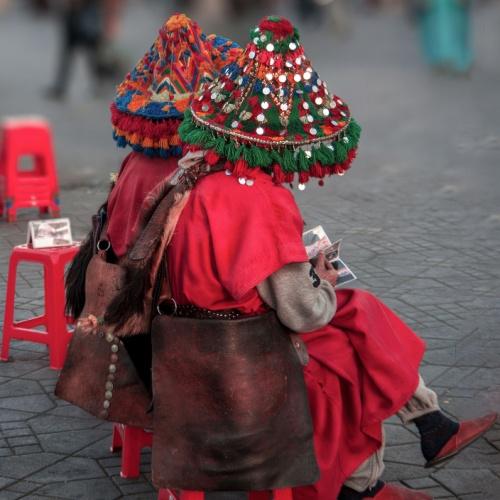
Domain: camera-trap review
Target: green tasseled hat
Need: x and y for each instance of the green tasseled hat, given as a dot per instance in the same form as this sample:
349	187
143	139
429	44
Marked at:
271	110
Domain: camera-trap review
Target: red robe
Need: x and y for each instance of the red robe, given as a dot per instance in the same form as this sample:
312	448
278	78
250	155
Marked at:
138	175
364	364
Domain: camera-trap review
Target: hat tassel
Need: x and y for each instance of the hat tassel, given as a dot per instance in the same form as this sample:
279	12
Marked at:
242	170
278	174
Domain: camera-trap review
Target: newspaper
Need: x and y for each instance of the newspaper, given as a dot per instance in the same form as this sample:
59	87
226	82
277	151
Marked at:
316	241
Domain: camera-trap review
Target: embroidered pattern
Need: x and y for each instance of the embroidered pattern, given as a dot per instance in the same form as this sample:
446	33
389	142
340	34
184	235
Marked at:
270	109
151	101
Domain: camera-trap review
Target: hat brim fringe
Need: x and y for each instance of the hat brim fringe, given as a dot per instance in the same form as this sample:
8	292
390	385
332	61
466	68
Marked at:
151	137
322	159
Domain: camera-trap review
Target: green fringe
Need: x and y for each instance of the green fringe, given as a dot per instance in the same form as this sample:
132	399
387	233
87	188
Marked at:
302	161
324	155
340	152
273	118
290	160
295	126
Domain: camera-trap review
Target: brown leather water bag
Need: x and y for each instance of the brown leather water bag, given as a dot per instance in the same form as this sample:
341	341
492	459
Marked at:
231	409
98	374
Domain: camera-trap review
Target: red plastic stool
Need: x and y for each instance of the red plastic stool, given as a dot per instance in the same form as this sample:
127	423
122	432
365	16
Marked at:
281	494
33	188
56	335
131	440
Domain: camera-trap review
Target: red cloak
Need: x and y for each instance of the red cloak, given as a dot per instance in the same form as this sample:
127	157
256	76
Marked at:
364	364
138	175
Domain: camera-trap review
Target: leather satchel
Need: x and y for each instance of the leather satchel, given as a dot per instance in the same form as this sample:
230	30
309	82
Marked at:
231	409
98	374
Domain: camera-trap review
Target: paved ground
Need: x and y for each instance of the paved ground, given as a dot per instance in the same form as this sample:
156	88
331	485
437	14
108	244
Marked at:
419	214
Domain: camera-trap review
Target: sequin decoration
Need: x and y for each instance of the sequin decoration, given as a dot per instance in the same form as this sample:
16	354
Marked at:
272	99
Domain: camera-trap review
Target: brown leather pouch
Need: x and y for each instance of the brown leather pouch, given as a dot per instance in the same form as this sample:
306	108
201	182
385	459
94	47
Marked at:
98	374
231	409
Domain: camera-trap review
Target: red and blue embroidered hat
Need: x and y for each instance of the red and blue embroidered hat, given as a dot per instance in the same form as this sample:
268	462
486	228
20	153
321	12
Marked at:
271	110
151	101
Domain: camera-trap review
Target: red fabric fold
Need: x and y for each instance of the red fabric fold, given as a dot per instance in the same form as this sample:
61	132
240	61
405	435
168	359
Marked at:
139	174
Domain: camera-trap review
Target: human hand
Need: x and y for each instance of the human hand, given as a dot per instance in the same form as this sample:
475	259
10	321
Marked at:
324	269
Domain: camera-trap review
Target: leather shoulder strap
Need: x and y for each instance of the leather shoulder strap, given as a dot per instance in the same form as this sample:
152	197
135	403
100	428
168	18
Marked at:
149	236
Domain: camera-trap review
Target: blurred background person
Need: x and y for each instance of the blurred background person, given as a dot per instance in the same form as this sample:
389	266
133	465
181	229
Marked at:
445	27
91	26
332	12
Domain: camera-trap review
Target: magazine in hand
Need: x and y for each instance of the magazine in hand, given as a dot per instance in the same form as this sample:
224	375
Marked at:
316	241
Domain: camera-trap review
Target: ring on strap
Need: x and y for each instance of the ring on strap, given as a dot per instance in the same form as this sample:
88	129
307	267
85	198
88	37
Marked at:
167	307
103	245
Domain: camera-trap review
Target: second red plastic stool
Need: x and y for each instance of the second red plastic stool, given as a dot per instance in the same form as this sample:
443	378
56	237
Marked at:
38	187
281	494
131	441
56	335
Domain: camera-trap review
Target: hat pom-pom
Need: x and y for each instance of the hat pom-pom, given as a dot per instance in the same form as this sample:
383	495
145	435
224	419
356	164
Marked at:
280	26
177	22
211	157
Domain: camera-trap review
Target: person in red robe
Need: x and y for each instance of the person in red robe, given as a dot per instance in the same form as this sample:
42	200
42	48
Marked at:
148	109
233	242
145	114
238	246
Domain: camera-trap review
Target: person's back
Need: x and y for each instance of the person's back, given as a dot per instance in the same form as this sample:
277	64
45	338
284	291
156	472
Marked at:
231	237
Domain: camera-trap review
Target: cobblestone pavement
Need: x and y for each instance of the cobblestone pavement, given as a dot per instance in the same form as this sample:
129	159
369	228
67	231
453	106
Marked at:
420	218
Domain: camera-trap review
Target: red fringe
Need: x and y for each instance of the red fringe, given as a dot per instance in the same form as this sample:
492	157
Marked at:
351	155
211	157
303	177
289	177
278	174
154	129
317	170
229	165
186	148
241	169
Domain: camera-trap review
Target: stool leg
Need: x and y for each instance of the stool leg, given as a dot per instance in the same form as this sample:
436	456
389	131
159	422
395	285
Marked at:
116	440
192	495
11	214
56	319
283	494
131	452
166	494
10	306
259	495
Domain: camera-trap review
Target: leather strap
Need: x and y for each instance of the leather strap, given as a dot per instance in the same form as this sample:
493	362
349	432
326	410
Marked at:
300	347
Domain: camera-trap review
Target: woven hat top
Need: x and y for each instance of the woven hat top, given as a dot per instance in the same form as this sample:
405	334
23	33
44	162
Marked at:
271	109
179	62
163	82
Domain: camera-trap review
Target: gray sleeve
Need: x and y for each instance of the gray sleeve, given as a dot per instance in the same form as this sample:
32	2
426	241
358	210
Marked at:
301	300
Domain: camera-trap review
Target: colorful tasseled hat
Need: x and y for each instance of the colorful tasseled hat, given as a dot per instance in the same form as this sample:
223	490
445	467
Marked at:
271	110
151	101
